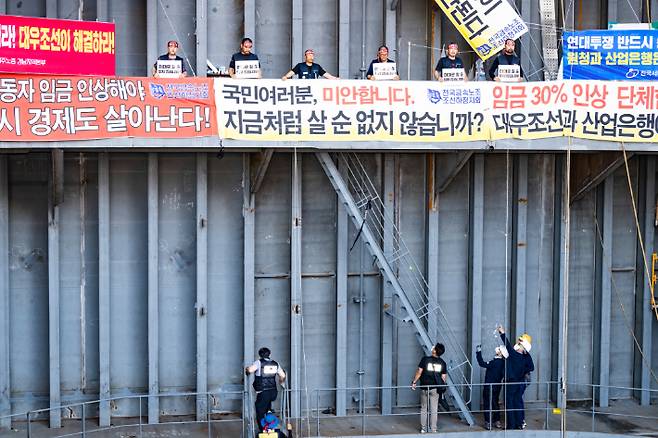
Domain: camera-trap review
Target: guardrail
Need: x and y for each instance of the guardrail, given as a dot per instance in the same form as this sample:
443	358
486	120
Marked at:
316	411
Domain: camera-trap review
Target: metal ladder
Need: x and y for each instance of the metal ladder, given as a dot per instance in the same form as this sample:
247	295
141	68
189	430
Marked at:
367	211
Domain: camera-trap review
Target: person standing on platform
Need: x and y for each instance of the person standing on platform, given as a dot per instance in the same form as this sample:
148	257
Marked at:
244	54
507	57
172	48
432	373
266	372
492	379
450	61
382	57
308	69
519	365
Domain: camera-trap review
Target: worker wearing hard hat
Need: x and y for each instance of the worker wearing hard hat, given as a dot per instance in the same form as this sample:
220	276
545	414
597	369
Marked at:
518	369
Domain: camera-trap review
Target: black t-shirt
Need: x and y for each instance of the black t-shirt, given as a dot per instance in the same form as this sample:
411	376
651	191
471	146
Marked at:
242	57
166	57
376	61
433	368
446	62
305	71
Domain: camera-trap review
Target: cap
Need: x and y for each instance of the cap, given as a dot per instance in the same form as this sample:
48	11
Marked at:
172	43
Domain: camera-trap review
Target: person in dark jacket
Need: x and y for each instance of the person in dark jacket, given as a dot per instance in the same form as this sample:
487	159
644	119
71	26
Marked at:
507	57
492	378
266	372
519	365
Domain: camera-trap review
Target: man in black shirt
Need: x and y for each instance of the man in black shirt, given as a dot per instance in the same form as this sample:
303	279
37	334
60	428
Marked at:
449	61
507	57
382	56
308	69
172	48
243	55
431	372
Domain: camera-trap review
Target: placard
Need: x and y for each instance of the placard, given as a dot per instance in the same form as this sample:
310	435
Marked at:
509	73
247	69
169	69
383	71
453	74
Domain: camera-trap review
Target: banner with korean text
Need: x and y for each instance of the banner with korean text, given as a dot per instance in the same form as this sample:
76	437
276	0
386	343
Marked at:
611	55
351	110
484	24
48	46
60	108
396	111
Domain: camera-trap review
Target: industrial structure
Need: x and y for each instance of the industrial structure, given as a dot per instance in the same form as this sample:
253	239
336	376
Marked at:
153	267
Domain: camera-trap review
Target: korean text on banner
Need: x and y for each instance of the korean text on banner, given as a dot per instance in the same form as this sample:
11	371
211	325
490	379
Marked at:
47	46
271	110
484	24
611	55
79	108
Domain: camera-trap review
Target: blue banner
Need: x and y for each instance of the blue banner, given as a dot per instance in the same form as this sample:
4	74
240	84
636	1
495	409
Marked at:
621	55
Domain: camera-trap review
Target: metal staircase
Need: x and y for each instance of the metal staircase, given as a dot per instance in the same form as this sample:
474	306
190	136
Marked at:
366	209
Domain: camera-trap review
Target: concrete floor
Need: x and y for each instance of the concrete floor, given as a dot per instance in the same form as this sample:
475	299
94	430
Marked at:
624	418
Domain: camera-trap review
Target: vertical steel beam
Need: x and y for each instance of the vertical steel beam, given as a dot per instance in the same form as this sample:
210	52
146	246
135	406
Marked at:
645	307
606	291
344	39
151	34
153	311
342	253
3	6
390	29
104	315
201	37
201	284
248	214
432	246
250	18
102	10
52	7
477	261
56	183
521	246
296	287
613	10
297	31
387	288
558	273
5	381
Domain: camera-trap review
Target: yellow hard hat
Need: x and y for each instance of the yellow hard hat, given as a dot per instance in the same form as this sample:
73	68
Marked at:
526	337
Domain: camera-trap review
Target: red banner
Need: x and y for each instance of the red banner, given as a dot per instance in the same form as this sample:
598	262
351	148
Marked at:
80	108
46	46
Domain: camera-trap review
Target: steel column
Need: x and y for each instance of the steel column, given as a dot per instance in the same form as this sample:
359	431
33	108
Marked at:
56	186
296	287
387	287
3	6
250	18
606	291
521	248
297	31
52	7
5	378
342	253
102	10
248	213
201	37
432	245
151	34
390	30
201	285
104	315
477	261
153	308
645	312
344	39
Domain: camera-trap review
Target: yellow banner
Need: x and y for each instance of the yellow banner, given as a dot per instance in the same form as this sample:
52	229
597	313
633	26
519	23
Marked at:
432	112
484	24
